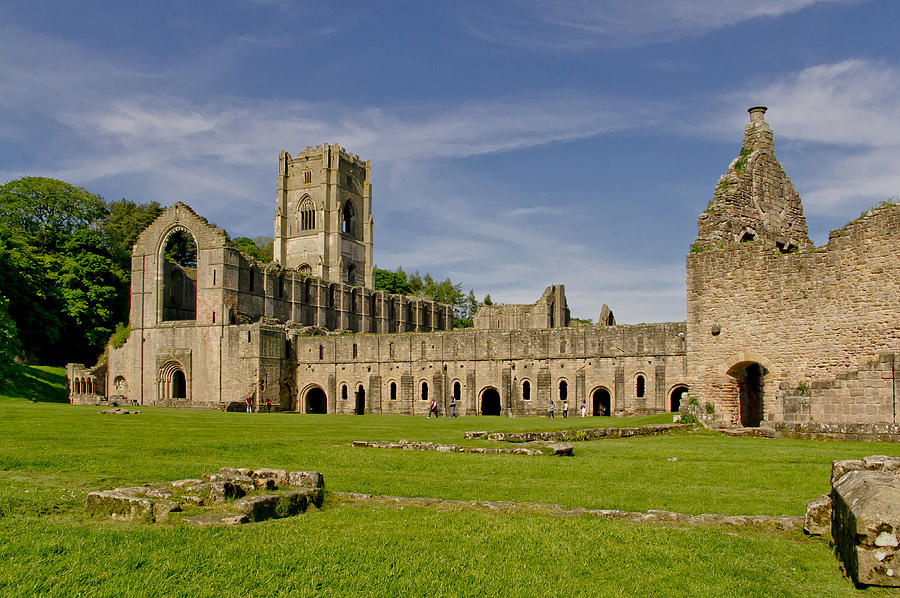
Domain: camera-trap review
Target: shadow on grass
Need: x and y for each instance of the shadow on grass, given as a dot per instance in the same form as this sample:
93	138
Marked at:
38	383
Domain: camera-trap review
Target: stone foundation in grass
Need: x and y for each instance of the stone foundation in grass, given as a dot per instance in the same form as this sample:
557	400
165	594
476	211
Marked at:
780	523
533	448
581	435
231	496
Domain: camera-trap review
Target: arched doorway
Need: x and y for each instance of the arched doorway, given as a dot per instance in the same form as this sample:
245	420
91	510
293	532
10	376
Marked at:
316	401
677	395
490	402
749	377
360	400
602	402
179	385
172	382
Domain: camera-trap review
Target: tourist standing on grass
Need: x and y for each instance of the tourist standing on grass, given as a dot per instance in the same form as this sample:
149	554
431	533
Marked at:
433	409
583	409
249	402
269	405
551	409
565	409
452	406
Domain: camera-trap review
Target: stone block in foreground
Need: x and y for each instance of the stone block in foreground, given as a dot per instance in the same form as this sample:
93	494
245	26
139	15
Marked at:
818	516
866	526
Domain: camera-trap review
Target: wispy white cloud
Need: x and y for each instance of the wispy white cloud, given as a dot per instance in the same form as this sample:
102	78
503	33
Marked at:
581	24
840	124
538	210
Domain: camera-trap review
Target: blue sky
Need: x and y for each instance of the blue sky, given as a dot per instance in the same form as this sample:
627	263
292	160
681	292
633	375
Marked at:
515	144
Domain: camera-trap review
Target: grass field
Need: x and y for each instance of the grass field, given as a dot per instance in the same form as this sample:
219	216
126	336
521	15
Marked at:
52	455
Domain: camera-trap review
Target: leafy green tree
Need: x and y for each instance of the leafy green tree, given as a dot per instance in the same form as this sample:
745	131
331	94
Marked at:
47	210
487	300
125	221
90	285
9	337
392	282
259	248
266	246
33	301
445	291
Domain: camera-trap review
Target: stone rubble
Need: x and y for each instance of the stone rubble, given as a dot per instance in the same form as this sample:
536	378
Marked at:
291	493
580	435
540	448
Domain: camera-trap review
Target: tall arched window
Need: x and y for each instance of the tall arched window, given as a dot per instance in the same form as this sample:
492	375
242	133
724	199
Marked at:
563	390
424	391
526	390
393	391
456	389
639	386
307	214
349	219
178	272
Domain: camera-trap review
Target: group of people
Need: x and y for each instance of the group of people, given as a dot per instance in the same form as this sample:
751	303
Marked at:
551	410
434	410
249	401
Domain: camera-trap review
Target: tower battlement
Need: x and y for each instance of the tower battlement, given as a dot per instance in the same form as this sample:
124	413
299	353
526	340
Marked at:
323	214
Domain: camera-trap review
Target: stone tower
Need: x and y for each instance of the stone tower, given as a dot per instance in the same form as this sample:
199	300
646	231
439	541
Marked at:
754	200
323	215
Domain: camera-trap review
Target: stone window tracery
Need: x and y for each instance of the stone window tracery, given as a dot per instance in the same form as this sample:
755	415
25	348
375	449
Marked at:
307	214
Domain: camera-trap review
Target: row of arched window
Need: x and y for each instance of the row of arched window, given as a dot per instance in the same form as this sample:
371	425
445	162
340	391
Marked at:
306	216
83	386
561	395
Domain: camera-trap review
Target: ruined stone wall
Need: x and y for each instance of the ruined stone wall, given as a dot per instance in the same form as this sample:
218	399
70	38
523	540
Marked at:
205	361
810	318
551	310
586	359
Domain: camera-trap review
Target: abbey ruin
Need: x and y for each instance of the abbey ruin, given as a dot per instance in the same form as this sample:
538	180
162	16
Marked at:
777	330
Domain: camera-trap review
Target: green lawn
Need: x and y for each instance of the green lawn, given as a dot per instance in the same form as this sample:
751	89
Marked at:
52	454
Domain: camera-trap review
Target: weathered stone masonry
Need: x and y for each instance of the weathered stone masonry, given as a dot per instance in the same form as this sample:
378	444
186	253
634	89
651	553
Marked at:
777	331
781	332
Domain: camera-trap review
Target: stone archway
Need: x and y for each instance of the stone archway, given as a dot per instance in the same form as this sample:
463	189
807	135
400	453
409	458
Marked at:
490	401
315	400
602	402
750	383
360	400
172	383
676	396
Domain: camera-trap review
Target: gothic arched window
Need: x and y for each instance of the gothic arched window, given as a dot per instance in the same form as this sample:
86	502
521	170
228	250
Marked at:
307	214
349	219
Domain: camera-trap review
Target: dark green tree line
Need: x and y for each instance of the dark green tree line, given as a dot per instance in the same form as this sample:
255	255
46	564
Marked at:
65	263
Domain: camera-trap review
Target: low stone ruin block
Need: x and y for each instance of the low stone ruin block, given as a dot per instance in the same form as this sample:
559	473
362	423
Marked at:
306	479
118	505
162	509
866	526
560	449
258	508
262	477
818	516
